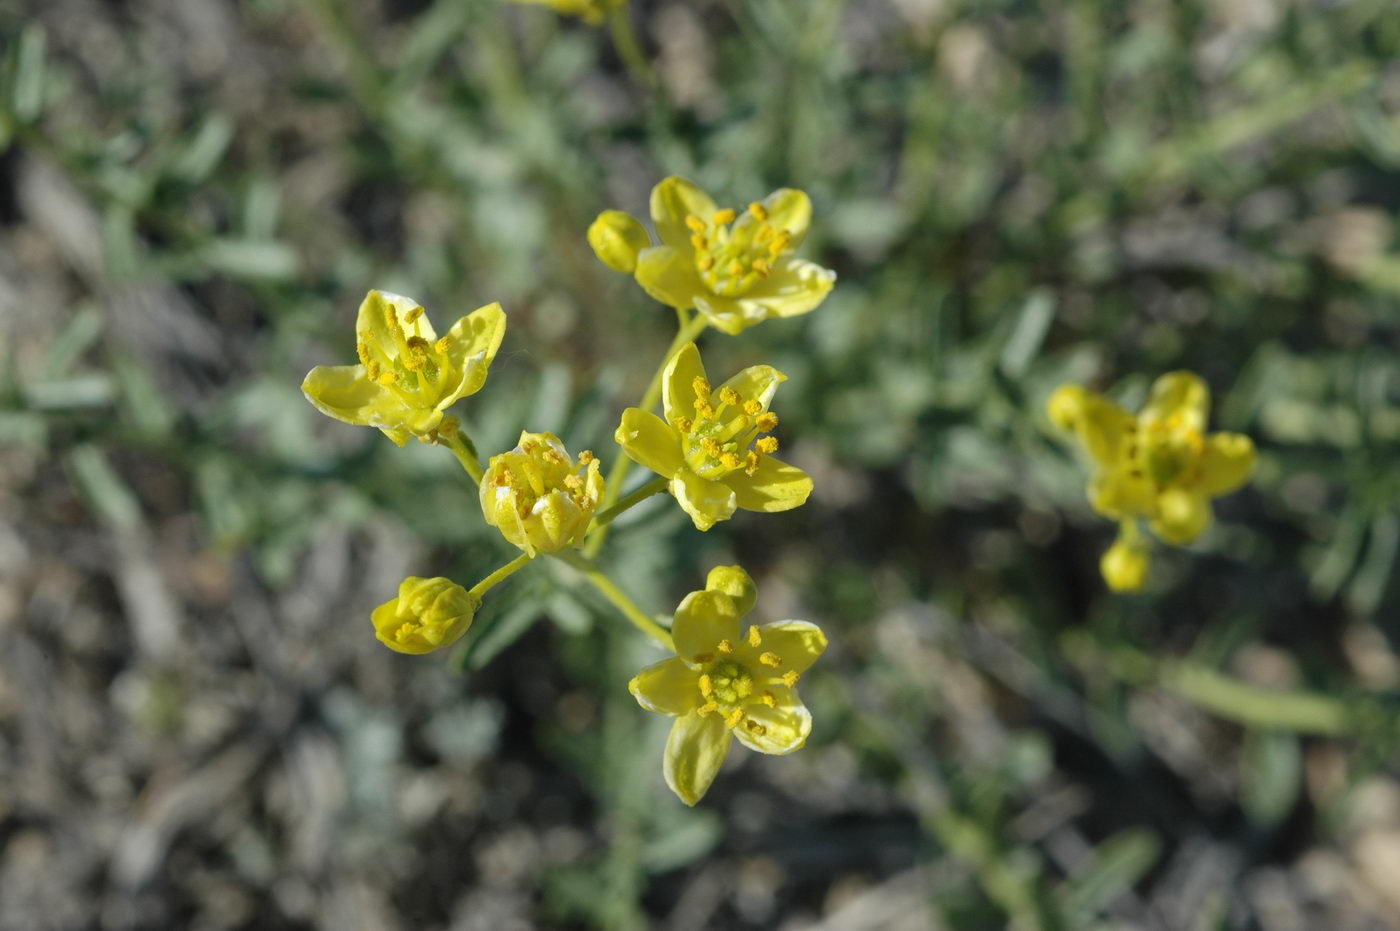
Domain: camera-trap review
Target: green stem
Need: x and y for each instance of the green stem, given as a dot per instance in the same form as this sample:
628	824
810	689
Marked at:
653	487
629	49
609	589
500	575
687	329
465	451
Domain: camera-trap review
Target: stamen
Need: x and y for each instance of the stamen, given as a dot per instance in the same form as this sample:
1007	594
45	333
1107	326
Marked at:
735	267
701	386
770	659
780	243
752	407
730	396
762	267
442	345
726	647
764	234
412	315
573	482
707	709
373	370
696	224
768	422
790	678
767	445
707	687
751	462
703	408
699	242
685	424
731	461
734	718
755	638
770	699
585	457
362	350
755	727
387	379
706	262
724	217
759	211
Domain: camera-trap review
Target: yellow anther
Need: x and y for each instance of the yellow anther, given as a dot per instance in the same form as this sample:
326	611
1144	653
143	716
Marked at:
790	678
696	224
751	462
685	424
755	638
585	457
442	345
734	717
770	659
755	727
362	350
731	461
752	407
407	630
707	709
412	314
780	243
706	262
735	267
707	688
702	658
703	408
765	233
725	216
573	482
699	242
743	687
762	267
701	386
759	211
770	699
767	445
387	378
391	317
712	448
730	396
373	370
726	647
768	422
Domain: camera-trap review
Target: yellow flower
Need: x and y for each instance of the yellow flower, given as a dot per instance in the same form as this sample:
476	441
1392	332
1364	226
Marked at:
721	684
617	239
428	614
407	376
538	496
735	267
1159	465
709	445
590	11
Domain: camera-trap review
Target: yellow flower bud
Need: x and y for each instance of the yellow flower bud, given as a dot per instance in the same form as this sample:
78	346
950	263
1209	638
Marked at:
1125	566
618	238
1065	406
427	615
538	496
734	582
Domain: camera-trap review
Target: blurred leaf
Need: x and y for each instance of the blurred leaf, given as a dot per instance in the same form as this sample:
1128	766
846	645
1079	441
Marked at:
1117	865
1271	776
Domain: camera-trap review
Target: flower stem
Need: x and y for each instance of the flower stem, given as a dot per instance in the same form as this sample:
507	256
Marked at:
609	589
500	575
603	519
687	329
462	446
629	49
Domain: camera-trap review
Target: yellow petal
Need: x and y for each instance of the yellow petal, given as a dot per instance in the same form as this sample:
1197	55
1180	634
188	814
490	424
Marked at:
793	287
1228	461
678	383
1066	406
789	209
1105	429
672	201
617	239
474	341
1178	394
649	441
757	383
736	583
728	314
669	276
774	486
694	753
667	687
780	729
1182	515
346	393
1116	494
371	319
705	501
796	643
701	621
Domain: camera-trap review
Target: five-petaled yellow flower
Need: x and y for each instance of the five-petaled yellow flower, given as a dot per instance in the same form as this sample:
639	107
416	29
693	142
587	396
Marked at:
538	496
735	267
709	445
1160	466
590	11
721	684
428	614
407	375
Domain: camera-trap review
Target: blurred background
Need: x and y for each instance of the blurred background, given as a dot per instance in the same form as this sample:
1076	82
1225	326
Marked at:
197	729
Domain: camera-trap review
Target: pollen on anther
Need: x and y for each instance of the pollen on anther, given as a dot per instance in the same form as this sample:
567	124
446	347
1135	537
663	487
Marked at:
755	638
731	461
696	224
700	385
412	314
759	211
373	370
751	462
725	216
699	242
734	717
706	262
735	267
770	699
767	445
752	407
790	678
707	709
362	350
770	659
756	728
442	345
387	378
726	647
685	424
707	687
585	457
768	422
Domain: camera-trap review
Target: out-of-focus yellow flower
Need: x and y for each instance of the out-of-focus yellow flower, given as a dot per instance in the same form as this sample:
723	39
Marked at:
538	496
427	615
709	445
1160	465
735	267
721	685
1126	563
590	11
407	375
